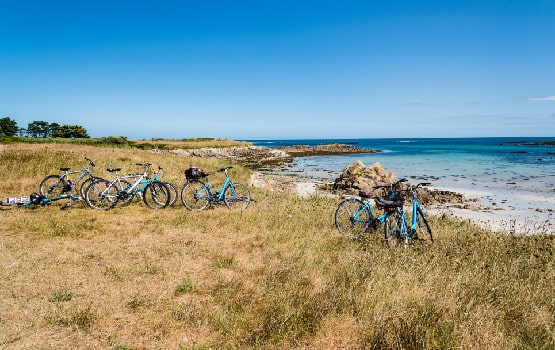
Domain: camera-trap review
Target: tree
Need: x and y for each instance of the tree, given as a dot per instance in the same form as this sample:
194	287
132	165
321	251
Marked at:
70	131
8	127
39	129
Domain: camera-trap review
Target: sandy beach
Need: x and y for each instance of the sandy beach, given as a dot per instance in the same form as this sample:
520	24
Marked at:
511	212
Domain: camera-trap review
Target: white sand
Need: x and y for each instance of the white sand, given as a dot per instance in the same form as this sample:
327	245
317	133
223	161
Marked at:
511	212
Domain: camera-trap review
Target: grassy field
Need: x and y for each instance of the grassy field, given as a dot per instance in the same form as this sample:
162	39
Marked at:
123	142
276	275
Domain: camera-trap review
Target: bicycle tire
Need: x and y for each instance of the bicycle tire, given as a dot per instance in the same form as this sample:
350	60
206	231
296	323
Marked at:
101	195
125	199
352	218
156	195
394	226
52	186
195	195
86	183
173	193
424	231
237	196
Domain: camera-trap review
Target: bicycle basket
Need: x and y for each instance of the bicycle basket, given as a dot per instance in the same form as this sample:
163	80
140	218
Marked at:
388	204
194	173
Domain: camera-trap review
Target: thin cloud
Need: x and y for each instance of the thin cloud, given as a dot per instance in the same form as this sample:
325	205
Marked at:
548	98
545	116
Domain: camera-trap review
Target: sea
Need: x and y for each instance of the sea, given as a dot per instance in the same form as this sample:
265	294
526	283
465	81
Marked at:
507	172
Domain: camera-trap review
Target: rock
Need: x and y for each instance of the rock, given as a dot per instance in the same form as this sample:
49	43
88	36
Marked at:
252	156
326	149
472	207
260	156
358	177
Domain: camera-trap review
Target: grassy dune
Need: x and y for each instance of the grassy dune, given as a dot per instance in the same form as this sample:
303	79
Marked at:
276	275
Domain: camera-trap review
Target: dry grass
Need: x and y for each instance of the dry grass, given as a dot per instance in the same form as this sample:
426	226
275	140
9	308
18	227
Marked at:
276	275
193	143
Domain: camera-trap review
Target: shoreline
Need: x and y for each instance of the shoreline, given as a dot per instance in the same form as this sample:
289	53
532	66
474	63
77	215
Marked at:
501	216
509	210
504	215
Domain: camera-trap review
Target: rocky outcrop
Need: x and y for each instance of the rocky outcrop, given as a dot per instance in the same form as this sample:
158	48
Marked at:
259	156
322	150
253	156
357	177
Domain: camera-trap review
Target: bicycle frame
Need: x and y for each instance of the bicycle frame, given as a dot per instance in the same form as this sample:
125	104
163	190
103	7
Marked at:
415	218
354	214
376	221
218	195
46	201
103	194
141	186
65	179
139	179
197	194
402	228
83	172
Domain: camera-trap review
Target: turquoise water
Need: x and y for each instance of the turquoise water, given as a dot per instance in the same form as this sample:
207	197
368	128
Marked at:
515	171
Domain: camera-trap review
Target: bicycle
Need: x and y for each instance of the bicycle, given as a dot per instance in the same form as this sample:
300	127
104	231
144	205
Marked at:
399	230
39	199
142	185
354	215
54	185
104	194
197	195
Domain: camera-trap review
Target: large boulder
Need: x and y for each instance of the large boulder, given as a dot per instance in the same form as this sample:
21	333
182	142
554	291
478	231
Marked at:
359	177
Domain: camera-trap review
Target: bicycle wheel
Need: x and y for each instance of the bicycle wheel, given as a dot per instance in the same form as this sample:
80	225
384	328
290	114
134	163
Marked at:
352	217
237	196
423	229
173	193
156	195
394	227
52	186
125	198
102	195
86	184
195	196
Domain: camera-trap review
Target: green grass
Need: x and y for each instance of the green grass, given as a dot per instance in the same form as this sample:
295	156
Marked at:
277	275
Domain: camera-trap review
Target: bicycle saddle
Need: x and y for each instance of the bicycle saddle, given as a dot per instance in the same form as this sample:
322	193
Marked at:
387	203
64	169
113	169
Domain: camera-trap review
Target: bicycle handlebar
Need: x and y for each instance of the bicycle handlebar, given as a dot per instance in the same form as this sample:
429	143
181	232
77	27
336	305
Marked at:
390	185
225	169
90	161
422	184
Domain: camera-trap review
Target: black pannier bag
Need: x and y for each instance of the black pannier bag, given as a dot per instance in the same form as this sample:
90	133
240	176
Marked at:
194	173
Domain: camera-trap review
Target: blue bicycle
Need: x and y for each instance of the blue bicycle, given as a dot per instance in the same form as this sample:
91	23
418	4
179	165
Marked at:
197	195
139	190
104	194
39	199
398	230
354	215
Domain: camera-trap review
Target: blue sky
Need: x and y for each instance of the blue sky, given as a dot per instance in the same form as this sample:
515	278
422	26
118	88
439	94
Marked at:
281	69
